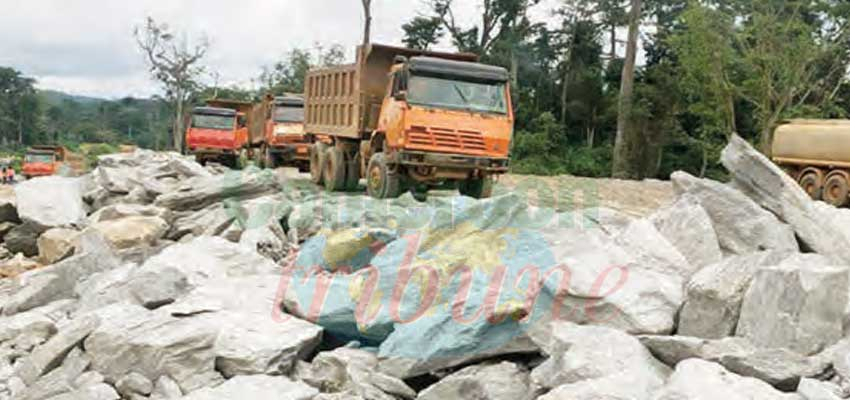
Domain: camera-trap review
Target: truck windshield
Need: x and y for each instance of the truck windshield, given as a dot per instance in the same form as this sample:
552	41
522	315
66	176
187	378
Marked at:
39	158
446	93
288	114
216	122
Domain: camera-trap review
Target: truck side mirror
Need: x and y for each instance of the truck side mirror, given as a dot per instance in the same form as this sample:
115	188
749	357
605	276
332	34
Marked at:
401	95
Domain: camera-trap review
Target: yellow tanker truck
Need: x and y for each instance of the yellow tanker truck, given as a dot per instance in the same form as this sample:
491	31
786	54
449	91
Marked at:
817	154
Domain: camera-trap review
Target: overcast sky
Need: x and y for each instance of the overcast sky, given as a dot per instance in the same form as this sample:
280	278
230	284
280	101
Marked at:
86	46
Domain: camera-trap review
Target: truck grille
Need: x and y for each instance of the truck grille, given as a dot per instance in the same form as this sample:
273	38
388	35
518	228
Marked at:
450	139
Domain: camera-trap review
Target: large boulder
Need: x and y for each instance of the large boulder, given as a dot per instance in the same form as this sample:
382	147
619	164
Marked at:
254	337
798	307
201	192
208	258
688	227
502	381
133	339
714	294
779	367
56	245
812	389
258	387
695	379
774	190
132	231
584	353
742	226
52	201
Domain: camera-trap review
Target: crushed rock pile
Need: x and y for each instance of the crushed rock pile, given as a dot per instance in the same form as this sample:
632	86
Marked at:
153	277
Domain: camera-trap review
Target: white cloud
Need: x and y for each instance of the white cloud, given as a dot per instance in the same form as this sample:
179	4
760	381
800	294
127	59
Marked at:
87	47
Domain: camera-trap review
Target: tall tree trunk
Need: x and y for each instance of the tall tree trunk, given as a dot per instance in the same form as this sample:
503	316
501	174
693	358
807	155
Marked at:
613	42
627	149
367	27
564	93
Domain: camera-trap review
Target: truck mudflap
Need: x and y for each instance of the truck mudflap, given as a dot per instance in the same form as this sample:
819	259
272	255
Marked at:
453	161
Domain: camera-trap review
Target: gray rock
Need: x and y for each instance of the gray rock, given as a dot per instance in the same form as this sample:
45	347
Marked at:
688	227
58	281
579	353
211	221
37	202
120	211
98	392
257	387
63	379
714	295
40	322
354	371
798	308
134	383
198	193
154	290
503	381
8	205
812	389
89	378
742	226
23	238
210	258
133	339
779	367
165	388
50	355
613	387
774	190
695	379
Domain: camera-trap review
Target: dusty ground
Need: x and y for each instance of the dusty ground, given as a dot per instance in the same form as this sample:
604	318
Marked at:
567	193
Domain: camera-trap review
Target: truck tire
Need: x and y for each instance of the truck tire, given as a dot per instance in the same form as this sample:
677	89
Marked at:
317	162
334	171
478	188
836	189
352	174
381	183
812	183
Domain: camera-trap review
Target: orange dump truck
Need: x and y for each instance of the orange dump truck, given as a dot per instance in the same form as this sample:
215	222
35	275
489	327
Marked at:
285	142
409	119
816	153
227	131
43	161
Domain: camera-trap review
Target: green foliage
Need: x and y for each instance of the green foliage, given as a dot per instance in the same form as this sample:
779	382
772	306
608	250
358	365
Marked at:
92	151
288	75
422	32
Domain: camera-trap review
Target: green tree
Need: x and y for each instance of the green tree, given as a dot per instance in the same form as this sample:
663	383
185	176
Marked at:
422	33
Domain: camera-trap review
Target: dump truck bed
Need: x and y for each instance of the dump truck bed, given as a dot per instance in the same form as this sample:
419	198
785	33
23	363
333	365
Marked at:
346	100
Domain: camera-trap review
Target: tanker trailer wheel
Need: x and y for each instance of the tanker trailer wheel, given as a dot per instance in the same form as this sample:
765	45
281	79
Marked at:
334	171
317	161
836	189
812	183
381	182
477	188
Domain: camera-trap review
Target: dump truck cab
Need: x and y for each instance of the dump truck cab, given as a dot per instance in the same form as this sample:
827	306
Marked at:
216	133
285	142
446	119
42	161
408	119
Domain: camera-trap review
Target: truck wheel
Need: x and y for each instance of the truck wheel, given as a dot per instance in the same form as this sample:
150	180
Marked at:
381	183
837	189
811	182
352	174
268	158
317	162
334	171
476	188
